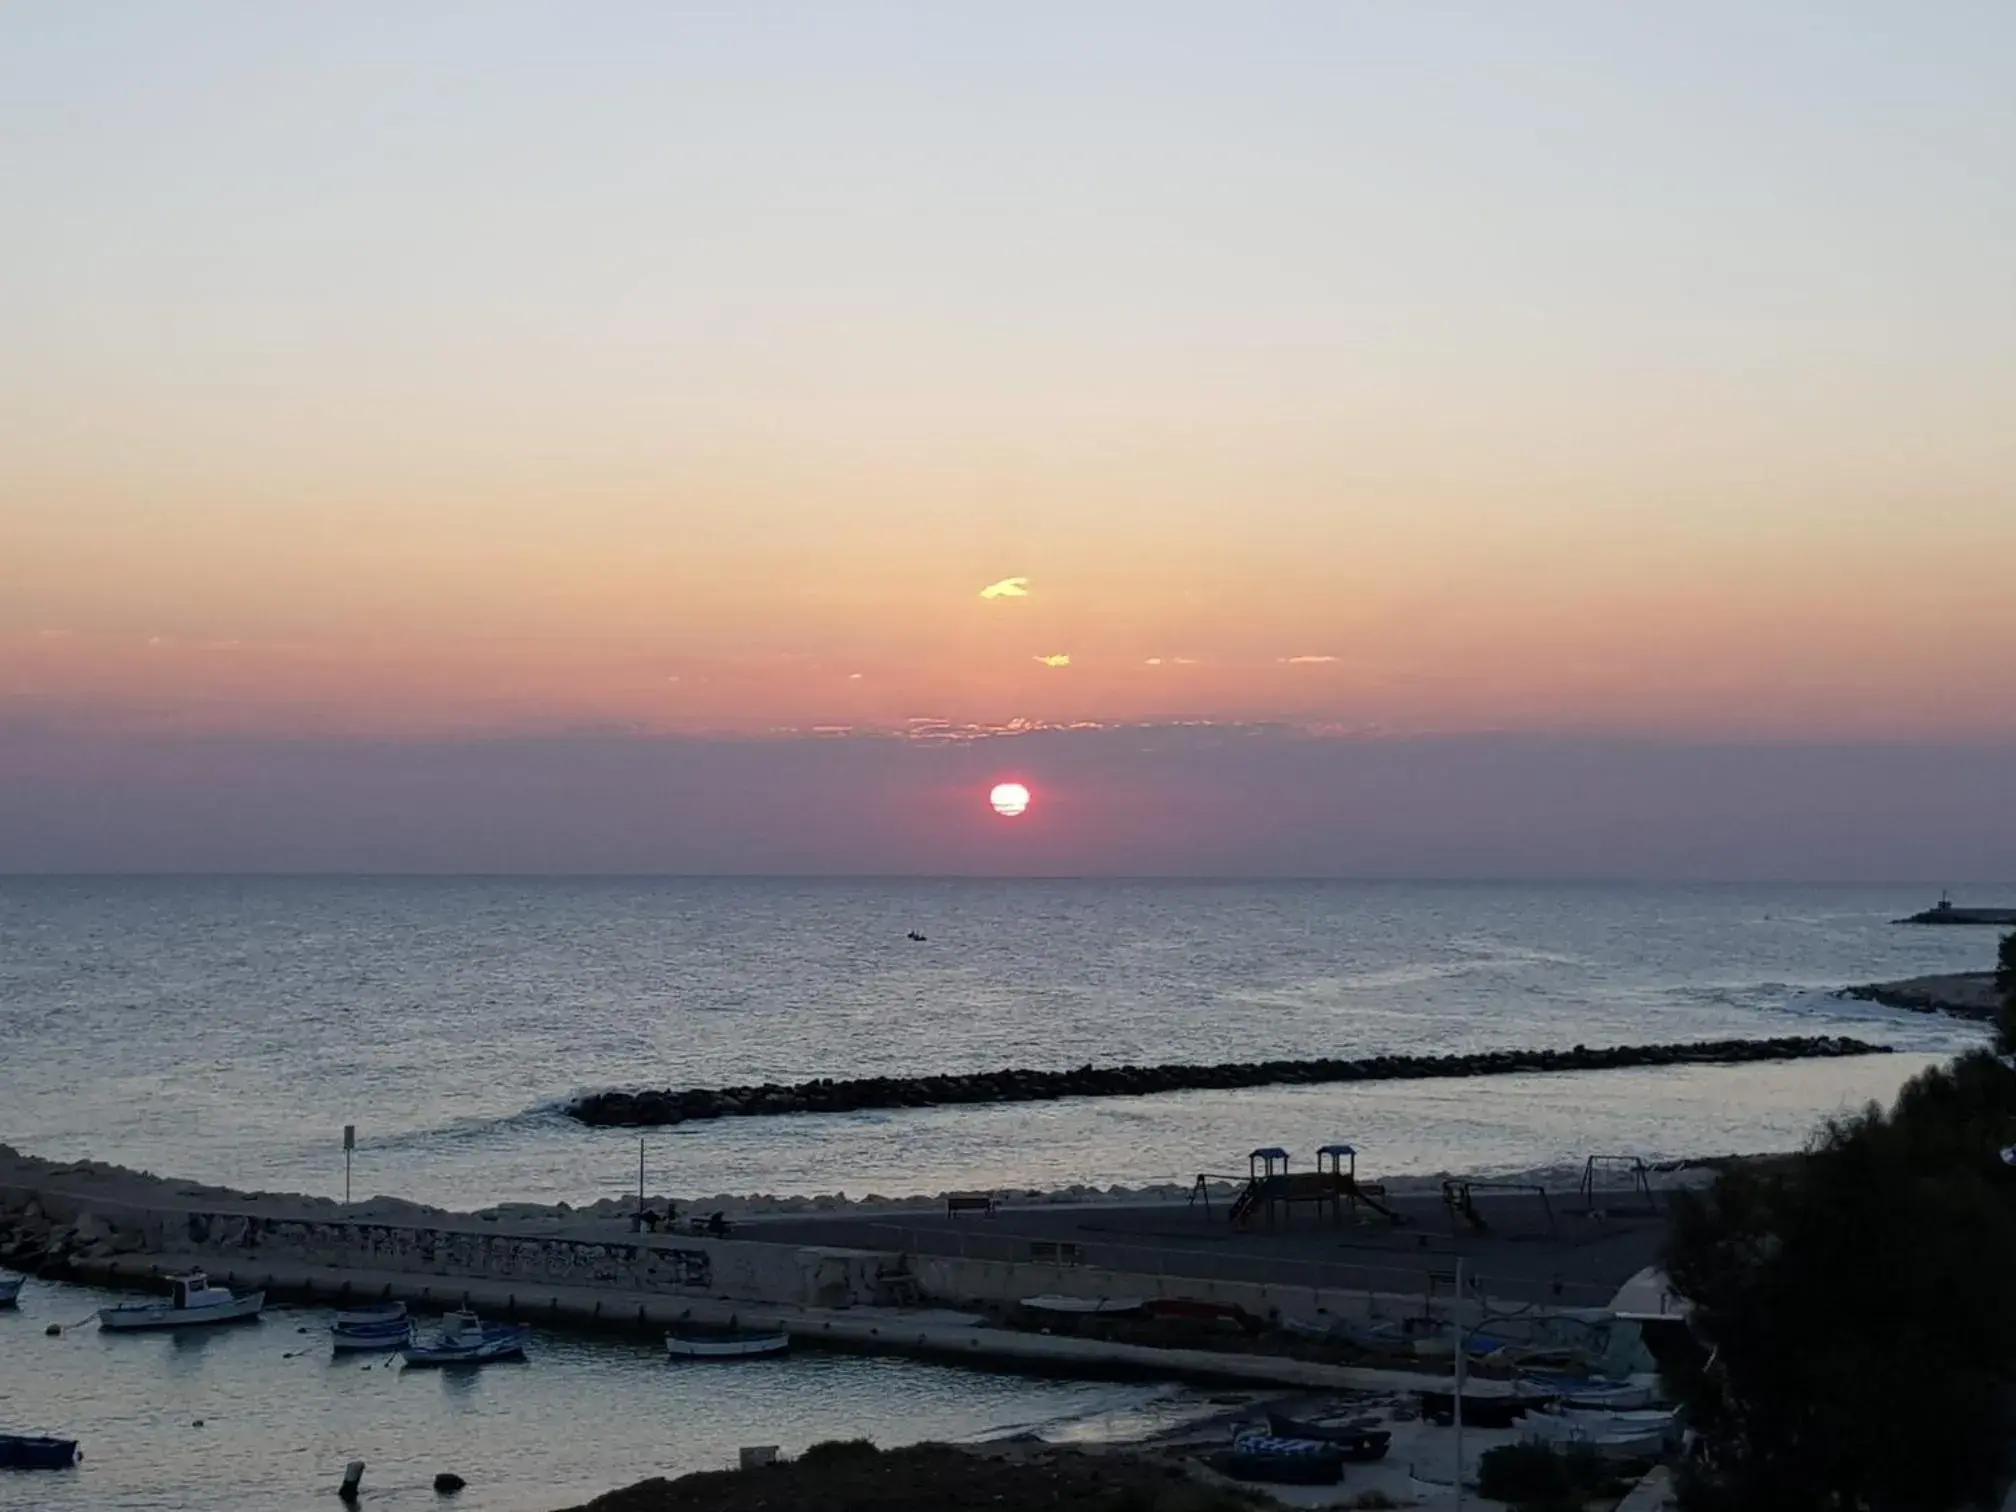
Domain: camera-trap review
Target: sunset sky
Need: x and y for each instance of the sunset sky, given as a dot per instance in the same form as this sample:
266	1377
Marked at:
388	373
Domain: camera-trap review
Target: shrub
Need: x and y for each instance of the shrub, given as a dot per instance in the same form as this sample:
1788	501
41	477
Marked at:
833	1451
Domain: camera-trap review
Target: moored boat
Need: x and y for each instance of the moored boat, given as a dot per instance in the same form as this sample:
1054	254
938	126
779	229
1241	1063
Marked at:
22	1451
10	1290
1085	1307
695	1343
465	1339
356	1338
369	1317
193	1301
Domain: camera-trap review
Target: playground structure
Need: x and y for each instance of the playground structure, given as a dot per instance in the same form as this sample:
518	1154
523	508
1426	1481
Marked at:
1638	1183
1459	1196
1272	1189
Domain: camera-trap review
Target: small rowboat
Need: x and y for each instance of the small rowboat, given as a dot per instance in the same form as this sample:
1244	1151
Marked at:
354	1338
357	1329
10	1290
465	1339
20	1451
724	1344
194	1301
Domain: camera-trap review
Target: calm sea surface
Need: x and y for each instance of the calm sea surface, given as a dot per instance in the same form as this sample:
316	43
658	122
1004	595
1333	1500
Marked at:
279	1416
227	1029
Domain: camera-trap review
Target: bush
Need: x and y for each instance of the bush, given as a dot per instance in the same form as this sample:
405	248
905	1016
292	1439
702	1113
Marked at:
1861	1358
835	1451
1524	1473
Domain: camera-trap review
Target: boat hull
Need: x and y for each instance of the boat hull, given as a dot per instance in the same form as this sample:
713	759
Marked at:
136	1316
1282	1462
499	1343
364	1340
23	1452
726	1346
10	1290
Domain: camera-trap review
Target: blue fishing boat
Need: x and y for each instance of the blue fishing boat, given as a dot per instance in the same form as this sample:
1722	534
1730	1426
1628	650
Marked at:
1281	1461
360	1329
20	1451
464	1339
10	1290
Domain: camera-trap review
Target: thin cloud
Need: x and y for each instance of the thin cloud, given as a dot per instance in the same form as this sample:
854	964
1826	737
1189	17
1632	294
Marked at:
1154	661
1056	659
1172	661
853	677
1305	661
1015	587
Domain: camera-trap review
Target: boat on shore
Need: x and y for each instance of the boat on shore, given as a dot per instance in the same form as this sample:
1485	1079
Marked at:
10	1289
465	1339
1358	1443
23	1451
1281	1461
696	1343
1616	1437
193	1302
1495	1410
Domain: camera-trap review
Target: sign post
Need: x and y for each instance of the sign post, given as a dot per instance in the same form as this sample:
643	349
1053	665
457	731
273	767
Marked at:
349	1144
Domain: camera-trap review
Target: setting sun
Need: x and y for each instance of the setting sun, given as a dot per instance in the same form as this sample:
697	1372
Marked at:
1009	799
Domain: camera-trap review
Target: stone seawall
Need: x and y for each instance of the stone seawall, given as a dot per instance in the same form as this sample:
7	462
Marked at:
640	1109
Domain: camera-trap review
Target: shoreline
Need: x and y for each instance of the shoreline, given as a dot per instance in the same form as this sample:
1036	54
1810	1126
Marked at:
1966	995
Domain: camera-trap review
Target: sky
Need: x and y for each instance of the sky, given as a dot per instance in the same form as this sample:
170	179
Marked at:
385	386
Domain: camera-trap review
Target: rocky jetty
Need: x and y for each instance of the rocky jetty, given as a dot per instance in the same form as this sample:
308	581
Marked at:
1964	994
637	1109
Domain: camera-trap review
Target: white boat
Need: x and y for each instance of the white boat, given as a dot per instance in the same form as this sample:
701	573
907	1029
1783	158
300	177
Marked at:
10	1290
369	1317
724	1343
1615	1436
1084	1307
465	1339
193	1301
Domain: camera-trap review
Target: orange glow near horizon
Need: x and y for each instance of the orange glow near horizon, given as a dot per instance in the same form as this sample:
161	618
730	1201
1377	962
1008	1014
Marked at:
877	410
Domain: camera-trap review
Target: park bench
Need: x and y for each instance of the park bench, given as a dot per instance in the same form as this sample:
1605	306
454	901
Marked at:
954	1206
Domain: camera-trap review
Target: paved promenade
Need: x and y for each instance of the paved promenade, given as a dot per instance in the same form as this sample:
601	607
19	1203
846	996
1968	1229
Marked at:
1553	1252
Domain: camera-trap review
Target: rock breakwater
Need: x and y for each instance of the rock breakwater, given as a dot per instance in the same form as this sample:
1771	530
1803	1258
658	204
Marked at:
825	1095
1965	994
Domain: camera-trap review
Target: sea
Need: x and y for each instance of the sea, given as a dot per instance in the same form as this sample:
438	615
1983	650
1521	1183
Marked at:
228	1029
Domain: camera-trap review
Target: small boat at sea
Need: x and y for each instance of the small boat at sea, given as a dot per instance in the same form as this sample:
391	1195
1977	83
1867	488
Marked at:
193	1301
695	1343
10	1290
1359	1443
358	1329
1085	1307
465	1339
22	1451
1281	1461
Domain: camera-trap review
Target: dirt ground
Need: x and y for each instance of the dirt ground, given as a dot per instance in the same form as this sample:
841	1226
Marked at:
934	1478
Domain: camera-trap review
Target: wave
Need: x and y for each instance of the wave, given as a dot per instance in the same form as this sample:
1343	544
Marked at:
544	1117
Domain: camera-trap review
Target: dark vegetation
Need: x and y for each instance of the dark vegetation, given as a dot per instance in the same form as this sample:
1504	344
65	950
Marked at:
1859	1307
853	1477
1542	1478
635	1109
